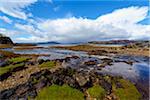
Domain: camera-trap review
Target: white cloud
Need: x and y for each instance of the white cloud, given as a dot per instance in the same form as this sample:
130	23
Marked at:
15	8
32	39
129	15
120	24
6	19
26	28
9	33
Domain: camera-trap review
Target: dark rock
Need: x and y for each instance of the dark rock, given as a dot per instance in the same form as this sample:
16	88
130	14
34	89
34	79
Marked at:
31	94
30	63
4	63
102	65
19	68
21	90
107	60
59	60
97	52
75	57
71	82
40	61
39	74
81	78
42	83
129	62
5	76
21	76
67	59
107	86
119	85
4	95
88	63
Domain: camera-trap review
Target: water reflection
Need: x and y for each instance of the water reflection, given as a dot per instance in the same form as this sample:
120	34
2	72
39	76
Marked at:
54	53
135	72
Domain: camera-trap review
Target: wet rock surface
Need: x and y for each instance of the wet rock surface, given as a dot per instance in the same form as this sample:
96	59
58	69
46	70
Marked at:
75	79
81	80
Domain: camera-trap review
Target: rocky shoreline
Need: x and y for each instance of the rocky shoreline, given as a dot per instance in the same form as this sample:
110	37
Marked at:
26	76
79	80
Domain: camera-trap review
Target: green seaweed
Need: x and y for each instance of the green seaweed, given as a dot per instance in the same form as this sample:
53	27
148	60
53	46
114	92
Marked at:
127	92
56	92
49	64
18	59
96	92
9	68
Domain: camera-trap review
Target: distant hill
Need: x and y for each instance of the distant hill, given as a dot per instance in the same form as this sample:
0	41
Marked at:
113	42
126	43
52	42
5	40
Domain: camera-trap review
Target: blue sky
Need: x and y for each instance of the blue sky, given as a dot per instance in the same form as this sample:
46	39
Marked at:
74	20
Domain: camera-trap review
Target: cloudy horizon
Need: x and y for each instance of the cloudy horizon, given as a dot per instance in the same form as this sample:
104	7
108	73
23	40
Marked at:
74	21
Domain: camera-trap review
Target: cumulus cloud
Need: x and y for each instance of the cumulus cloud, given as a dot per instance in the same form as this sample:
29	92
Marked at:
26	28
9	33
5	19
120	24
15	8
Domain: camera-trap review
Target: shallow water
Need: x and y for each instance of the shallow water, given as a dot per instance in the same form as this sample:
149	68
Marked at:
135	72
54	53
138	72
49	45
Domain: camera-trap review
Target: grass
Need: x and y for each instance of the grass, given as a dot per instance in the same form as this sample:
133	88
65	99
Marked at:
128	92
9	68
56	92
96	92
18	59
49	64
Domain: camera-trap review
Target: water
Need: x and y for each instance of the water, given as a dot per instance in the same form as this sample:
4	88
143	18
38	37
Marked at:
48	45
54	53
135	72
138	72
7	49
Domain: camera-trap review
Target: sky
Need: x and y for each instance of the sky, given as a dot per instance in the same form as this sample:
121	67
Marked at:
73	21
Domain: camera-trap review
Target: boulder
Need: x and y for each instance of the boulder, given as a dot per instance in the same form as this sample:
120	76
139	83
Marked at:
82	79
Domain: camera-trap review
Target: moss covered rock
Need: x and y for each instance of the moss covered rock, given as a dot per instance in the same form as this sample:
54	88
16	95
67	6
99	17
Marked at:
56	92
49	64
127	91
96	92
